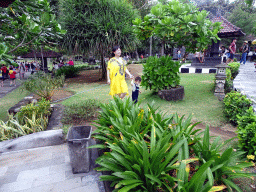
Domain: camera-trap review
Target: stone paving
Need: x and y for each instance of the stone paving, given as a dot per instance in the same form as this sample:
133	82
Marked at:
46	169
7	89
245	81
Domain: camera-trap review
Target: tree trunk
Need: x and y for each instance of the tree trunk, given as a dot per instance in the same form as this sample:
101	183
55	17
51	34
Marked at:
162	50
137	55
103	68
42	57
150	46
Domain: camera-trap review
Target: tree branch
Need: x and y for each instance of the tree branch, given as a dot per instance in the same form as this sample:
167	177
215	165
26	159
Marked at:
20	45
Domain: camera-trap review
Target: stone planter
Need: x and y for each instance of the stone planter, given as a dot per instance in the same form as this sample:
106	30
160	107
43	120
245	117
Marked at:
173	94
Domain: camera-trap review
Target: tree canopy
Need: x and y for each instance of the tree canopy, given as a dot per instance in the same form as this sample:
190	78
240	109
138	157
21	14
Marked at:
24	23
96	26
178	22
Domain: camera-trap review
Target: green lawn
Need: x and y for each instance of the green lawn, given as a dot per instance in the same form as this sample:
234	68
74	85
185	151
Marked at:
10	100
199	98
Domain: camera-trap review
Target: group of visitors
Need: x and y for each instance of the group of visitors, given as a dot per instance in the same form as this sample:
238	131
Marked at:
11	72
228	54
60	63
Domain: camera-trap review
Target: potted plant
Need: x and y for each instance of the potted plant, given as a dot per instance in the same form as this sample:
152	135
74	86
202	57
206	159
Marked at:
162	76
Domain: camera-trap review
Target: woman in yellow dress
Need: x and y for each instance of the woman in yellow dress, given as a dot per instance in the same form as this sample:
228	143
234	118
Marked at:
116	74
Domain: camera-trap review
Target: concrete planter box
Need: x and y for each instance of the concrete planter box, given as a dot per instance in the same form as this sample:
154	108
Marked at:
78	138
173	94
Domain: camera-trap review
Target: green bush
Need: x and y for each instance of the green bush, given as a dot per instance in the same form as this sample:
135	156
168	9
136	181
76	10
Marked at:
68	71
146	151
235	59
43	84
13	128
160	73
41	109
80	111
234	67
246	132
228	82
236	105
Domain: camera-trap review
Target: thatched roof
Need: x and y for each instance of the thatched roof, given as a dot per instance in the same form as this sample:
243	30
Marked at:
229	30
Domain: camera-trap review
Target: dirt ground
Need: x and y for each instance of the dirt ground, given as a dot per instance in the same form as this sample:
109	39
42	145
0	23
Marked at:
226	131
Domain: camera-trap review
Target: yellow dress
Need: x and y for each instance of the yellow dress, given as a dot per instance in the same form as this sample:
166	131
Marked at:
117	70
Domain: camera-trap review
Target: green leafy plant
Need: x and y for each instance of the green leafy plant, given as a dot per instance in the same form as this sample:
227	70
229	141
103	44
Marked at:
235	59
42	109
68	71
226	166
80	111
13	128
160	73
228	82
235	104
246	131
43	84
234	67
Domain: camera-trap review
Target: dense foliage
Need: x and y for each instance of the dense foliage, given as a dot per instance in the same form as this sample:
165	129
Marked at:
178	22
96	26
236	105
234	67
67	71
42	110
160	73
246	131
147	151
25	23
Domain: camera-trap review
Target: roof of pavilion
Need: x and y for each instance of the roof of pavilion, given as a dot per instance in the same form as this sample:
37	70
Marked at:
229	30
48	54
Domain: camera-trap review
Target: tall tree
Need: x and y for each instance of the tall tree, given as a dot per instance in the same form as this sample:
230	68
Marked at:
95	26
26	23
178	23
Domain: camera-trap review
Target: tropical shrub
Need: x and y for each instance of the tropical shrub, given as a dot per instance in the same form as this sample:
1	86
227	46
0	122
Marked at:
43	85
235	59
68	71
80	111
161	153
228	82
13	128
160	73
41	109
234	67
226	165
246	131
235	104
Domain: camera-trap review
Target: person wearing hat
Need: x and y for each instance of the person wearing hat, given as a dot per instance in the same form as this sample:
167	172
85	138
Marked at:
244	52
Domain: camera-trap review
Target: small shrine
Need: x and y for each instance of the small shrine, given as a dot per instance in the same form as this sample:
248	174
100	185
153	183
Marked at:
211	55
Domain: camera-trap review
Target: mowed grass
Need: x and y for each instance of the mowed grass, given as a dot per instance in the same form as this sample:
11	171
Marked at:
199	98
10	100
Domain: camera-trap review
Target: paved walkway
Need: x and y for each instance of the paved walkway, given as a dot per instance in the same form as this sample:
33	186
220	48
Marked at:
245	81
7	89
45	169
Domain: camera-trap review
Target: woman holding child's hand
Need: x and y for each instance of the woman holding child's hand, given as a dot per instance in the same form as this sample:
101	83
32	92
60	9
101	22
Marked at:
116	74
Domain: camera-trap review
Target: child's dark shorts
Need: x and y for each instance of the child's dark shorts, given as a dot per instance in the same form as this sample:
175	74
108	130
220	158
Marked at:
12	79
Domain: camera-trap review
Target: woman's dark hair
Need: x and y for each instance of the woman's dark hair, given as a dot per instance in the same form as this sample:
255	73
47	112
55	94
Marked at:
138	79
11	68
114	50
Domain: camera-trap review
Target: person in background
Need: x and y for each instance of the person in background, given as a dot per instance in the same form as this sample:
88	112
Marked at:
71	63
179	54
232	49
4	74
245	49
135	89
12	75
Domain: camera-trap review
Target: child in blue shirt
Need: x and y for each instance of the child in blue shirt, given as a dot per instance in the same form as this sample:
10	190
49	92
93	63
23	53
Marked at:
135	89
